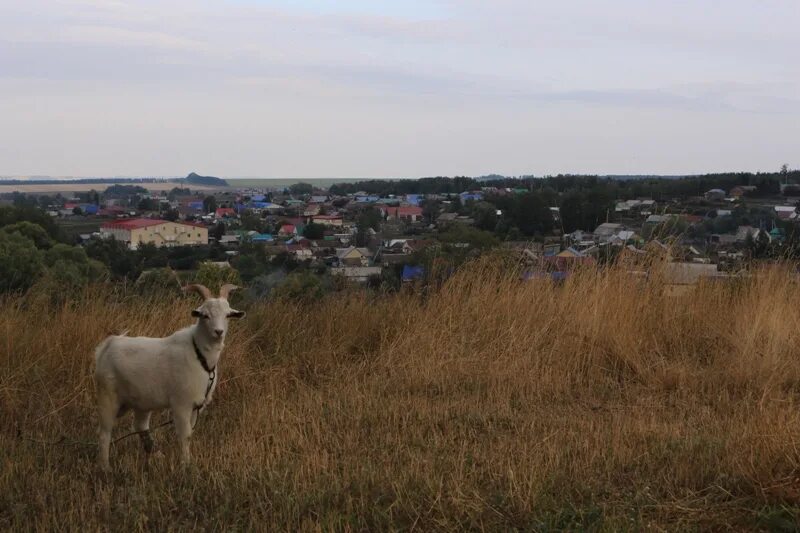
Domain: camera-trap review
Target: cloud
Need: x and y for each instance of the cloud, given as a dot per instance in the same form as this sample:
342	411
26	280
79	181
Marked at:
437	78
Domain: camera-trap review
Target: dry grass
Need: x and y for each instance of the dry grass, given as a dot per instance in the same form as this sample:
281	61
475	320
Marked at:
603	404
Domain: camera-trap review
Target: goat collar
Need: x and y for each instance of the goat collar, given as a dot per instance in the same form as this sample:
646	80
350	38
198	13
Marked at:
201	357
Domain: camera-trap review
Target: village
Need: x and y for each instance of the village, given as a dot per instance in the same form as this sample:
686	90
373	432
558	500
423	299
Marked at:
368	238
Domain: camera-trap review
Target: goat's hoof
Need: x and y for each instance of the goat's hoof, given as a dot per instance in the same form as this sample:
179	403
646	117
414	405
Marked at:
148	443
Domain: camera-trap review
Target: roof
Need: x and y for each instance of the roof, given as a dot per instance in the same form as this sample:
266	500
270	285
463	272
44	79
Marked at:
136	223
344	252
412	272
688	273
405	211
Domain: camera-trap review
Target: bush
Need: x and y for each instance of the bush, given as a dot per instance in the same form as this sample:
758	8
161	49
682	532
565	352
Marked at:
158	281
303	286
214	276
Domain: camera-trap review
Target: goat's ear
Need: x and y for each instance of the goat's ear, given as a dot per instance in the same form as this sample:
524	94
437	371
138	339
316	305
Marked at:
236	314
197	313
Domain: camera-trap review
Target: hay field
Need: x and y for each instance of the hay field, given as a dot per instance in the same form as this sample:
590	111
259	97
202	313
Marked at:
598	405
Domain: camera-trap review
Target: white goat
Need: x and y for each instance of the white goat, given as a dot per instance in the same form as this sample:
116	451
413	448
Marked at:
178	372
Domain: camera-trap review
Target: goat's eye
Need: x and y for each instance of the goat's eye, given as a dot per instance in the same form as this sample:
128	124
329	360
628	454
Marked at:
205	317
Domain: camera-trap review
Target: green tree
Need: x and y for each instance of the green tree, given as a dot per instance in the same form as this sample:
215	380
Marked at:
301	189
122	262
21	262
314	231
532	215
32	231
147	204
209	204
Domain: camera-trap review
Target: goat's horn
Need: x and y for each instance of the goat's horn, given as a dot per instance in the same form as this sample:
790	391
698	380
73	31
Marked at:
225	290
202	290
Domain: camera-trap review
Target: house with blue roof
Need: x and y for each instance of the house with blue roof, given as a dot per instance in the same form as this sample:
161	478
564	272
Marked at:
412	273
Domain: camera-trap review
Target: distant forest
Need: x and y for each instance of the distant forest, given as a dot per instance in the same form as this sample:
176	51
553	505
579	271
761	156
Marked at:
658	188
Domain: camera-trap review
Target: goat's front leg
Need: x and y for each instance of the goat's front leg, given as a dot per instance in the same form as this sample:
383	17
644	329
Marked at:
183	426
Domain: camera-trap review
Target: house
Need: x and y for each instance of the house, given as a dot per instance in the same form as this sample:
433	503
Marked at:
328	220
743	190
786	212
475	196
715	195
357	274
137	231
623	237
657	219
412	273
743	232
353	256
225	212
688	273
406	213
367	199
604	231
229	239
300	247
411	246
287	230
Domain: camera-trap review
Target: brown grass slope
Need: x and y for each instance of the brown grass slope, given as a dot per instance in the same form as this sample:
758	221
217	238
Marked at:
602	404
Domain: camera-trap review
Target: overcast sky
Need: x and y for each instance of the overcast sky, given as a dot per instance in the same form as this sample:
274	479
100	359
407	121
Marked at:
403	88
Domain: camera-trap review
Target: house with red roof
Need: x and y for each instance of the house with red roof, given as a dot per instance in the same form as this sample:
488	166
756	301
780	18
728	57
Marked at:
137	231
287	230
225	212
406	213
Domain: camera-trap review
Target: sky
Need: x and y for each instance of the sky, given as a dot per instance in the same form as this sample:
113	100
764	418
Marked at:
406	88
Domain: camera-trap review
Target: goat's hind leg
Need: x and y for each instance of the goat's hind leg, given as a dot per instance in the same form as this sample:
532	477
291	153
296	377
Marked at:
107	407
141	423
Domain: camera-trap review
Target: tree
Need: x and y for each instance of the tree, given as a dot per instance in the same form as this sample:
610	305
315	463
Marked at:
531	215
21	263
32	231
314	231
485	216
217	231
93	197
122	262
147	204
171	214
301	189
209	204
430	209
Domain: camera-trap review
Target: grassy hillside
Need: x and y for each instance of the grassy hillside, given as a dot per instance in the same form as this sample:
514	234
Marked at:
601	404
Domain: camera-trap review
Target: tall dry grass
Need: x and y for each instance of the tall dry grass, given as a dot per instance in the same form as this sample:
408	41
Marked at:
605	403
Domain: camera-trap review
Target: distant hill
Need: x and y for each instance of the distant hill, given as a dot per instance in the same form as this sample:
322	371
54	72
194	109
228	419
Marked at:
196	179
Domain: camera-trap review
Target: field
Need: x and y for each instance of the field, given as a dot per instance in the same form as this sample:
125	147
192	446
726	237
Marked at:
602	404
66	186
70	187
285	182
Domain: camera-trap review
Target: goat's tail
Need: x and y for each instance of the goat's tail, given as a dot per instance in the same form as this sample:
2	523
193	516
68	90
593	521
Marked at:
98	352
